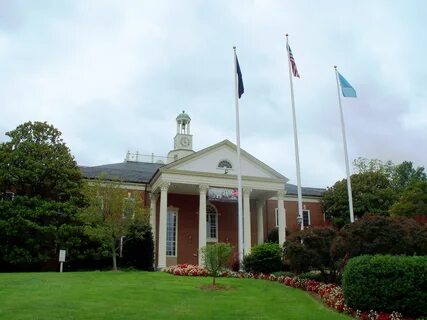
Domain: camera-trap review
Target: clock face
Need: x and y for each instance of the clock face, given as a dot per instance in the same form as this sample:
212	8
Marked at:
185	141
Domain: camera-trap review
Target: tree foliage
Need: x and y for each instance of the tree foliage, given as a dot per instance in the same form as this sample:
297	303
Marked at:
383	235
215	258
379	188
36	162
138	246
327	250
110	213
42	217
412	201
313	249
264	258
372	193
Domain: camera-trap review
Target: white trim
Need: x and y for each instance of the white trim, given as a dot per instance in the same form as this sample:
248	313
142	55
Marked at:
175	211
276	217
131	199
209	239
309	216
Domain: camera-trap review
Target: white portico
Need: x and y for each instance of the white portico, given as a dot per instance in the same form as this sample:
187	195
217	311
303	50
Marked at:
182	226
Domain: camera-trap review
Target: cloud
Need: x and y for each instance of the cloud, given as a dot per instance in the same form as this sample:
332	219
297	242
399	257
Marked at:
112	76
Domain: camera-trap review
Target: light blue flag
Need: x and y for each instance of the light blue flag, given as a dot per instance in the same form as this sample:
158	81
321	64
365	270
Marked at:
346	88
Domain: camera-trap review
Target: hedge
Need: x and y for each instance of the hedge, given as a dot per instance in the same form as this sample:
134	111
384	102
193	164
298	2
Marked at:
264	258
388	283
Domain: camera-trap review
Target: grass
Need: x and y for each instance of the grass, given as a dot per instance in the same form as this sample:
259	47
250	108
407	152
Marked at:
143	295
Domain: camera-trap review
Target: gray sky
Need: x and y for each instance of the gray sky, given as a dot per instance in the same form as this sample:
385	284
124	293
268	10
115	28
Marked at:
113	75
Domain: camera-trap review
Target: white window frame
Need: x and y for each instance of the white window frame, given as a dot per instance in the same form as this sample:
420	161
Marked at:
10	195
132	199
175	212
208	238
101	202
225	169
309	217
276	217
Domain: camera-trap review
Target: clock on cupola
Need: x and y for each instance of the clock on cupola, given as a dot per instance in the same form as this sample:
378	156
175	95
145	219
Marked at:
183	141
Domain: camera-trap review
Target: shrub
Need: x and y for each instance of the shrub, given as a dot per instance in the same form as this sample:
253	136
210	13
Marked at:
273	235
215	257
384	235
283	274
387	283
264	258
138	247
312	249
311	276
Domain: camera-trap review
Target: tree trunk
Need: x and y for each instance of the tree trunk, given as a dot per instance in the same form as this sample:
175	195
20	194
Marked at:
213	280
113	254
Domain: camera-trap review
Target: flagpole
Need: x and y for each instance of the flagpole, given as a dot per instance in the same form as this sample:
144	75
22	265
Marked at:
295	139
350	197
239	173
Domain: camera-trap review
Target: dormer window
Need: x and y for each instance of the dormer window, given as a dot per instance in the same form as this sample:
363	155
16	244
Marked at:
225	164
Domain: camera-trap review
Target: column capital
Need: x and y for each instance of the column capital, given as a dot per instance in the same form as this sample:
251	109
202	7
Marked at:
154	196
247	191
165	186
281	194
203	188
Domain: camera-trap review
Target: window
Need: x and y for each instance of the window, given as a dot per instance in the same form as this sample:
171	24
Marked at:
171	233
276	217
128	207
306	218
8	195
100	202
211	224
225	164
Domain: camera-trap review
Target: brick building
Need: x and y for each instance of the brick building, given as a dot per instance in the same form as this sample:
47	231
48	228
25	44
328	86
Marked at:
193	197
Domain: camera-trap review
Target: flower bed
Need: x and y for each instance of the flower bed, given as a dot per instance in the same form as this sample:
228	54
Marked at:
331	294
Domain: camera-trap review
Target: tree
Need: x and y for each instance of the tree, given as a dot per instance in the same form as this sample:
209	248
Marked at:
372	193
383	235
412	202
264	258
36	162
363	165
216	257
138	247
405	174
400	175
313	249
37	166
110	213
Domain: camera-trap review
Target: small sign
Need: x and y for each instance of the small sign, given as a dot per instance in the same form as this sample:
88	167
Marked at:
61	255
222	194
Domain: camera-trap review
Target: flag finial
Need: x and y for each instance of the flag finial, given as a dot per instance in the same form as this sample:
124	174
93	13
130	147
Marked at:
335	67
234	47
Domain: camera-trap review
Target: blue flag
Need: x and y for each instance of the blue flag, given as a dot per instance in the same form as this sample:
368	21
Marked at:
346	88
241	89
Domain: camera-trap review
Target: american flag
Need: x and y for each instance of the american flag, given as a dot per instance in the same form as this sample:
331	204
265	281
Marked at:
292	60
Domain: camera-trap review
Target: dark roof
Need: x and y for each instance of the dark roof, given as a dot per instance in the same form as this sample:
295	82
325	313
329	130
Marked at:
142	172
306	191
138	172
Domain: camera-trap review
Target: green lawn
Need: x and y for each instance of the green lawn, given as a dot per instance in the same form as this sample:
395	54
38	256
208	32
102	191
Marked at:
143	295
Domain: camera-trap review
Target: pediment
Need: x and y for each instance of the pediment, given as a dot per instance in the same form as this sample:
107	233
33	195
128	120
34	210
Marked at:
208	160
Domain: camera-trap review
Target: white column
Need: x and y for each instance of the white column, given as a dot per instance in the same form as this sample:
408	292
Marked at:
153	211
260	221
203	188
247	219
162	225
282	218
